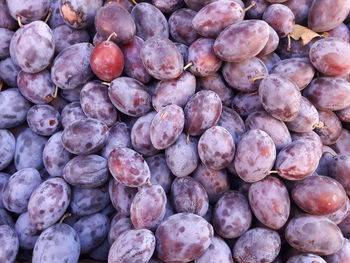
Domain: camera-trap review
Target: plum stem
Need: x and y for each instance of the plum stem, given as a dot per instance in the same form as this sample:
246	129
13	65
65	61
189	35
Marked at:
188	65
289	45
257	78
19	21
55	92
1	84
253	93
188	138
48	16
134	2
273	172
106	83
114	34
320	126
64	217
250	6
149	182
325	34
333	155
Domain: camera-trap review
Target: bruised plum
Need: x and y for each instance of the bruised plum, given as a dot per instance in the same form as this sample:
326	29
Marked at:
79	13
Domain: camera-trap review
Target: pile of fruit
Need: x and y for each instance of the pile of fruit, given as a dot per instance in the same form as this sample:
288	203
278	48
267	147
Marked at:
204	131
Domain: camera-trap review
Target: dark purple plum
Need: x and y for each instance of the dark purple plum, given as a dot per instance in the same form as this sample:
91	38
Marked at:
113	18
129	96
182	157
232	215
48	203
149	21
86	171
257	245
55	156
216	148
202	58
133	66
128	167
9	244
85	136
86	202
314	234
189	196
133	246
96	104
71	113
65	36
71	67
192	234
148	207
19	188
118	136
160	172
36	87
216	16
215	182
7	148
241	75
166	126
28	11
216	83
32	55
202	111
276	129
121	196
12	114
92	230
29	150
60	236
270	203
180	26
161	58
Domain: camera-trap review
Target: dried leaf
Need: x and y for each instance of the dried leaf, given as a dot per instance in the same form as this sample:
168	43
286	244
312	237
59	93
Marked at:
304	33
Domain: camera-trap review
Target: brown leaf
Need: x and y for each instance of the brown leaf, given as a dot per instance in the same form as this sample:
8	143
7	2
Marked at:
304	33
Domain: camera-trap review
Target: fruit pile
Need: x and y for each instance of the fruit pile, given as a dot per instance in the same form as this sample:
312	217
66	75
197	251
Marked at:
171	131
